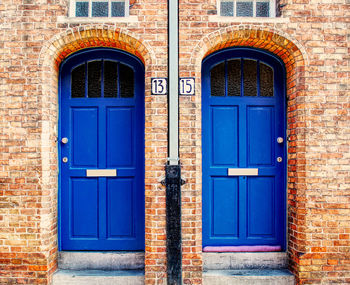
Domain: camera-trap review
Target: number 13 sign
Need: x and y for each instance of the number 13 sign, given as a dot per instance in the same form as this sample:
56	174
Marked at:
159	86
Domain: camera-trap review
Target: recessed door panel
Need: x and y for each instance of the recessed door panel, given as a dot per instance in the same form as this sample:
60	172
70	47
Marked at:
85	136
225	207
120	136
101	146
261	207
225	134
243	114
84	201
120	208
260	132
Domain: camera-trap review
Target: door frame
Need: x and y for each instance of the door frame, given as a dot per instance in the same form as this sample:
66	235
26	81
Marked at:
254	53
125	58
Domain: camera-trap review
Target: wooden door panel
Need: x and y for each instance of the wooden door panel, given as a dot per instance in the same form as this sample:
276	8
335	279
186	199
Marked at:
224	207
84	136
260	135
120	136
84	208
224	121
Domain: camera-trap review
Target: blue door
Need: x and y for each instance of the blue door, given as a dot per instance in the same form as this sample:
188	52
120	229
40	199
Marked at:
101	144
243	121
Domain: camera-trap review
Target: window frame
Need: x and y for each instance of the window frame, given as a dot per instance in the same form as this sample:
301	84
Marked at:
72	9
272	8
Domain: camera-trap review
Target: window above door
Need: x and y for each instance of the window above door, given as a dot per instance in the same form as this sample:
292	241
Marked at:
102	79
99	8
247	8
242	77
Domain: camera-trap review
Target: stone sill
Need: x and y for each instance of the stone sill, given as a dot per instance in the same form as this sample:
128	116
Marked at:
86	20
243	20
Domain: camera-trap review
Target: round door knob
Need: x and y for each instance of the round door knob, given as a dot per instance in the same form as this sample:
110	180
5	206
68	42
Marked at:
279	159
65	159
64	140
280	140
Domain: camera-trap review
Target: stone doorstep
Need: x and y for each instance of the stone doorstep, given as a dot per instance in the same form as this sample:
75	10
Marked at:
98	277
244	260
126	268
99	268
251	277
79	260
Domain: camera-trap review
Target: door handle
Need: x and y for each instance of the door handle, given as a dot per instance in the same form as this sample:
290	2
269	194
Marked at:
64	140
280	140
242	171
101	172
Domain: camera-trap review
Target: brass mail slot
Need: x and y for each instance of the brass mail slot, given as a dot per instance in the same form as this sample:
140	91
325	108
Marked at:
101	172
242	172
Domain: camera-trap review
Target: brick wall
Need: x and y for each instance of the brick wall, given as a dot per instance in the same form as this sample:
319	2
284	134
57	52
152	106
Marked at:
310	37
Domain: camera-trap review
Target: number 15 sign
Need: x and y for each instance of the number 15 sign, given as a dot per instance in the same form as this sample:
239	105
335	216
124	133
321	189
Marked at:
186	86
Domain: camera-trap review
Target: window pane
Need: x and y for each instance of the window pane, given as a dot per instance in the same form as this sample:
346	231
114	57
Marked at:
245	9
217	80
118	9
94	79
266	80
126	77
110	74
262	9
249	77
78	82
99	9
234	77
82	9
226	9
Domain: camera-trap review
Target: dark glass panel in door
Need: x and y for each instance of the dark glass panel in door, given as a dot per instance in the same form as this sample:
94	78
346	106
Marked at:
249	77
126	78
217	80
78	82
110	76
94	79
266	80
234	77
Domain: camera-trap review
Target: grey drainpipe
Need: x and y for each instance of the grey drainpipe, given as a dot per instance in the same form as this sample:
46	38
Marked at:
173	75
172	169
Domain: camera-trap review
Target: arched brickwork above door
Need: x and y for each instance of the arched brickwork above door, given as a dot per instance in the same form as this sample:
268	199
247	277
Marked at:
83	37
292	54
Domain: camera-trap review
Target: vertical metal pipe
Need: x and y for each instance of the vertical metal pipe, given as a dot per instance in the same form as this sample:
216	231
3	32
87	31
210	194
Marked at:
172	169
173	76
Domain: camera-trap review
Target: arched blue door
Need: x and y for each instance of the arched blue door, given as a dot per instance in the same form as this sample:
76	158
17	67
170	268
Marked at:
101	144
243	136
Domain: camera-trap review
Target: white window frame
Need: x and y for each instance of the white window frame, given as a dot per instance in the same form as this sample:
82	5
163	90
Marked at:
72	6
272	11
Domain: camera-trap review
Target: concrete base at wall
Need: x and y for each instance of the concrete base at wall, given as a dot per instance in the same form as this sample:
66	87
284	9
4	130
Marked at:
100	268
254	268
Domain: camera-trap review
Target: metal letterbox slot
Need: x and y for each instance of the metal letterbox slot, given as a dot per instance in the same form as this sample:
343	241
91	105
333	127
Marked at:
101	172
242	172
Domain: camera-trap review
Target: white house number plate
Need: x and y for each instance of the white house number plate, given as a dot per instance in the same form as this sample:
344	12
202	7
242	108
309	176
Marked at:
159	86
186	86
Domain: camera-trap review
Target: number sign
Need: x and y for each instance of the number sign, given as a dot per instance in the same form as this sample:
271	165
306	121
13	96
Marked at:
159	86
186	86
